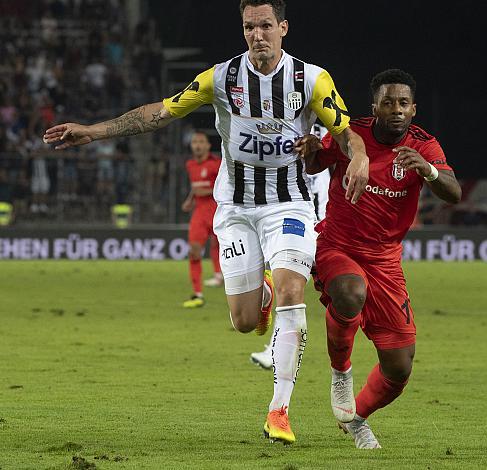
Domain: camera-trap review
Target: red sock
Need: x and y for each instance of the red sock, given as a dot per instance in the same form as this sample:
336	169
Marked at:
195	274
215	256
378	392
340	332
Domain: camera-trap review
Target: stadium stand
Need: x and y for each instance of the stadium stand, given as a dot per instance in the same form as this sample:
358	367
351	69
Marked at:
72	59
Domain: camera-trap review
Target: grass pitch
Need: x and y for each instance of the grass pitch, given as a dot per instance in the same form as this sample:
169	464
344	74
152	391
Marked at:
100	367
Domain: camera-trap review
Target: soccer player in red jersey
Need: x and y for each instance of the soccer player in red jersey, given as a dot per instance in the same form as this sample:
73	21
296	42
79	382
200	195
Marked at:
202	171
358	258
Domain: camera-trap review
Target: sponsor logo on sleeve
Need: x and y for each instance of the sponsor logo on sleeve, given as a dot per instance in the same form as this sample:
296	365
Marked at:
195	86
330	102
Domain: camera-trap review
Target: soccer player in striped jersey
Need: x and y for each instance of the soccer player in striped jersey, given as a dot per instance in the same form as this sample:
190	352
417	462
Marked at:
358	257
319	183
264	100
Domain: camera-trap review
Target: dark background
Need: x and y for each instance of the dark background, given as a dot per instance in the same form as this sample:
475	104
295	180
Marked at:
442	45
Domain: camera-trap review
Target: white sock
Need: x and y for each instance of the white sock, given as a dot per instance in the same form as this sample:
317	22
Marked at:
266	295
288	342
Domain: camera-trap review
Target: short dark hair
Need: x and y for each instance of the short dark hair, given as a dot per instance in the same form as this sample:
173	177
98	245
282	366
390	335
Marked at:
278	7
201	132
392	76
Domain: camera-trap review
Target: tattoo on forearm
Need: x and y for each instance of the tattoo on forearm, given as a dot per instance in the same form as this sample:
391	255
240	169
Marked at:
132	123
156	119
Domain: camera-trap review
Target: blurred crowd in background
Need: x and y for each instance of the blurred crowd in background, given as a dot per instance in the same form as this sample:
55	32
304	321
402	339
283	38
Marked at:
74	60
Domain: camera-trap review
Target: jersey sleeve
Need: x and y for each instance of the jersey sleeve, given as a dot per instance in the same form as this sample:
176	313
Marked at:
433	154
196	94
328	105
329	155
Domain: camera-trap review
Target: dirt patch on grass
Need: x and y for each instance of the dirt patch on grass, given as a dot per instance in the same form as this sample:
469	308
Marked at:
79	463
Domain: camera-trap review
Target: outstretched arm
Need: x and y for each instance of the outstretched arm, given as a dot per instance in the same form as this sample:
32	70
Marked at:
352	145
146	118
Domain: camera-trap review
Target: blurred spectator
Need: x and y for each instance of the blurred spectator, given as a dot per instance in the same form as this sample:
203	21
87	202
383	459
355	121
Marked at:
5	186
69	179
40	185
114	50
21	194
105	151
124	172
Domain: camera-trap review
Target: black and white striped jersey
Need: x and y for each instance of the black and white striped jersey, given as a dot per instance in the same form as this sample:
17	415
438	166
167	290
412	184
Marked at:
259	117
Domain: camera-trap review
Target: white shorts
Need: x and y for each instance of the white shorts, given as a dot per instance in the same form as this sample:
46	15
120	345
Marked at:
251	236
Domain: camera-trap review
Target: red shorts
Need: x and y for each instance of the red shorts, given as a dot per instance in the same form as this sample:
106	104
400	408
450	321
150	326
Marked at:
387	317
201	224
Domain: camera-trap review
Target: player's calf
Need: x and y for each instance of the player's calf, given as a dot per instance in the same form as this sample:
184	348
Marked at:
245	310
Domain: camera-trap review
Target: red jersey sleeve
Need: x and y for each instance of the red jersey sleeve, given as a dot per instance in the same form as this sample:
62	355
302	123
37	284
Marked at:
330	153
433	154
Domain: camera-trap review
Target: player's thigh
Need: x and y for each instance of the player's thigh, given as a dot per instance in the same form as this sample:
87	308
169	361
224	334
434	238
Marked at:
387	316
330	264
199	228
287	236
241	257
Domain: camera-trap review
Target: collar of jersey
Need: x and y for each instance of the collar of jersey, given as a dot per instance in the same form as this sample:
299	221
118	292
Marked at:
250	65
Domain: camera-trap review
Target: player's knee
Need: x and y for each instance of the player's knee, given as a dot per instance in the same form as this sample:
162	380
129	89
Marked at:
398	373
289	293
348	294
398	370
195	252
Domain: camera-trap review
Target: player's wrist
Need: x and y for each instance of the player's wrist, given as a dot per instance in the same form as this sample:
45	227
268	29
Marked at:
432	175
360	156
95	132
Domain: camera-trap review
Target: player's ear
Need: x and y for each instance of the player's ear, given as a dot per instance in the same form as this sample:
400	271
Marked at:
414	109
374	110
284	27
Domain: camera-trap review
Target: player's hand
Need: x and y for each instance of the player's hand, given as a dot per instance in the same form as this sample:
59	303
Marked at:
410	159
67	135
307	145
187	205
358	177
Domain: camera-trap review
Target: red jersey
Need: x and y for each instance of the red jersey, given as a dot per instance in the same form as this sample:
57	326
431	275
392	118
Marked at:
378	222
203	175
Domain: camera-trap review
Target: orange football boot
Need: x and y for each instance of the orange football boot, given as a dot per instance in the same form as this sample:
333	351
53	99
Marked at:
277	428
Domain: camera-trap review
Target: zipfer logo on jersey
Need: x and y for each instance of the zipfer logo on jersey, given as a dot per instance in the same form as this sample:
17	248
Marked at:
252	144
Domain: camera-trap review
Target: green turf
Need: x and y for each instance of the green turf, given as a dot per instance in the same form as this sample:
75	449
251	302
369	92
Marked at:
98	362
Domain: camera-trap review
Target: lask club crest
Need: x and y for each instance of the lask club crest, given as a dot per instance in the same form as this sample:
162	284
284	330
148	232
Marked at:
295	100
398	172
